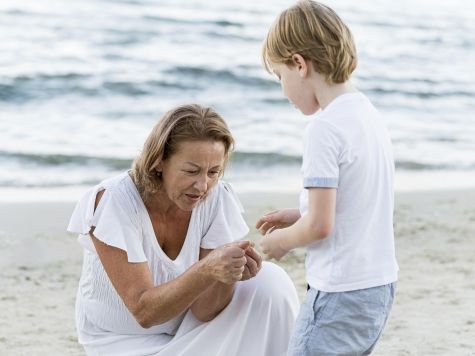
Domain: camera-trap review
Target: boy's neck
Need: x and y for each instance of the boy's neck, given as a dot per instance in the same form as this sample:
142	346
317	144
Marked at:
326	93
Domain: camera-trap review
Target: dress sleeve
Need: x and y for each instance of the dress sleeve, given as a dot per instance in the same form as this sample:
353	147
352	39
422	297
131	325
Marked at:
225	223
320	163
115	221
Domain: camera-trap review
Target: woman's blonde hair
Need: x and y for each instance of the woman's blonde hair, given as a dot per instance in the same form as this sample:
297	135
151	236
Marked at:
190	122
317	33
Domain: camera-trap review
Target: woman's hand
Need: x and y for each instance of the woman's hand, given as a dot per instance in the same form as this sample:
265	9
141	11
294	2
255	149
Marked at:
253	264
277	219
227	263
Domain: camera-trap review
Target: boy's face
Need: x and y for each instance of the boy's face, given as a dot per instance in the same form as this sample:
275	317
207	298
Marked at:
297	87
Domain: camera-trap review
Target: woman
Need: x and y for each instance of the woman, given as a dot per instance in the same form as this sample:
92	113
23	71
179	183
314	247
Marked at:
163	273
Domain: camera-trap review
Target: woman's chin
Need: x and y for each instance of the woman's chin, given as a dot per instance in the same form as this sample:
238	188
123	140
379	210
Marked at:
188	205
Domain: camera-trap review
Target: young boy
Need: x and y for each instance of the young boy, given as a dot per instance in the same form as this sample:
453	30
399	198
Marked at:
346	209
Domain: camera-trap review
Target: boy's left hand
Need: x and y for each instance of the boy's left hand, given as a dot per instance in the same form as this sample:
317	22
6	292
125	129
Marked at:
271	245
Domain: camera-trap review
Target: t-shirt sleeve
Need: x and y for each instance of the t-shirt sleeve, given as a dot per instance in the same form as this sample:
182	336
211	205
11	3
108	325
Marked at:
225	222
320	163
116	223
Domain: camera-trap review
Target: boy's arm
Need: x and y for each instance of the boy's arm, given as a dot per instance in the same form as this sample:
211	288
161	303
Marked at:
277	219
314	226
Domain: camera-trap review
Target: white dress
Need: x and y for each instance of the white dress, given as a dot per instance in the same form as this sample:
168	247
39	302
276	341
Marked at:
258	321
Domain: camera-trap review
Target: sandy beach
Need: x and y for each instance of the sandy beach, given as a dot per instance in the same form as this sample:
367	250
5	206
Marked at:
434	313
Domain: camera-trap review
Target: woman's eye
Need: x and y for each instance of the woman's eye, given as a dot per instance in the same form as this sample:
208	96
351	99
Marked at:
191	172
214	173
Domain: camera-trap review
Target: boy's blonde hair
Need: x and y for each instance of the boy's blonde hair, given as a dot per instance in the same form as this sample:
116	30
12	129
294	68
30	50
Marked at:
317	33
191	122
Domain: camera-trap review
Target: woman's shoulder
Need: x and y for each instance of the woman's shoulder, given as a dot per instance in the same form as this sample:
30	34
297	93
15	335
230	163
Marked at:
221	197
120	186
118	189
120	182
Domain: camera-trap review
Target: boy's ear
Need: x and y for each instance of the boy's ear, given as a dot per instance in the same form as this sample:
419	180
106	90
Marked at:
301	64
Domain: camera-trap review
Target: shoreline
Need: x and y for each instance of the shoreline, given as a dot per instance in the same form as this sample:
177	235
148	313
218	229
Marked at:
433	313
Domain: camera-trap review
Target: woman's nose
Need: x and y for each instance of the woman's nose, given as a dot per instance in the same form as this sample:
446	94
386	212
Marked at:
202	183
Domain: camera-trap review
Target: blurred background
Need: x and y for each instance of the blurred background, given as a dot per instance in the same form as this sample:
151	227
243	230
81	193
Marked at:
82	82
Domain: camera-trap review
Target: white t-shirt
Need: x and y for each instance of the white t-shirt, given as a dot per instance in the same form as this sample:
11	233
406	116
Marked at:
121	220
347	147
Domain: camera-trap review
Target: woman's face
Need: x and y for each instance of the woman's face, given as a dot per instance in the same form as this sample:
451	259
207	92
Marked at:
191	172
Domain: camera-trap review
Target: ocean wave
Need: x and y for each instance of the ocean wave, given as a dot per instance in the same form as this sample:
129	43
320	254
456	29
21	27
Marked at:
65	160
238	158
248	158
221	75
423	94
262	158
424	166
40	86
57	170
181	21
48	86
231	36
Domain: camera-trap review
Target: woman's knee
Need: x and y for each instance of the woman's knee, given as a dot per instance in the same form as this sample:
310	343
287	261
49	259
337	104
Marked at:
271	283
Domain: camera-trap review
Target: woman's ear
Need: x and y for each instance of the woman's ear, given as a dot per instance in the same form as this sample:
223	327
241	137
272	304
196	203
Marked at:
158	167
301	64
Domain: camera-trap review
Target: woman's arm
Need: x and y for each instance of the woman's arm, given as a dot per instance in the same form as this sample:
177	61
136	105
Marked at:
152	305
218	295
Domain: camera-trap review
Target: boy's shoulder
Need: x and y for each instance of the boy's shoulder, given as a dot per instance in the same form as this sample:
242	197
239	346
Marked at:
349	115
346	108
345	103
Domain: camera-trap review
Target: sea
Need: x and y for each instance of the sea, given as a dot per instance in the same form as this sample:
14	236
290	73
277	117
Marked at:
82	82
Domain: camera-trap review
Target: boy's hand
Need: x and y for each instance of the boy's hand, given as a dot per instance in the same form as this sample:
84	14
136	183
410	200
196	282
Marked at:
271	245
277	219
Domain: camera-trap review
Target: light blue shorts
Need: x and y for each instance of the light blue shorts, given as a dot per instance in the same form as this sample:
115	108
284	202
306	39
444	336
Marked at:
343	323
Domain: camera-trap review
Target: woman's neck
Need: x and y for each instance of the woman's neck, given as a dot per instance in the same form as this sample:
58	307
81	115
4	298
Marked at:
159	204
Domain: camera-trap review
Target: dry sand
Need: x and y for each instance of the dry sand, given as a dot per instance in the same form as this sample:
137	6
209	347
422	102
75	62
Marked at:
434	311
